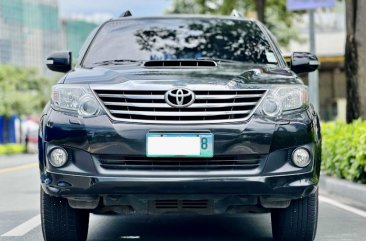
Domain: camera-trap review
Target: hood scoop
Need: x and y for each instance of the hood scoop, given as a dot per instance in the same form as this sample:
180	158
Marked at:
180	64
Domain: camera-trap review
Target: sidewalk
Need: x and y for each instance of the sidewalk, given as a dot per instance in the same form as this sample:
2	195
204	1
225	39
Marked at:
348	192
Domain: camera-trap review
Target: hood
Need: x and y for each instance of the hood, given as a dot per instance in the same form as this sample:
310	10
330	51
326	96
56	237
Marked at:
231	76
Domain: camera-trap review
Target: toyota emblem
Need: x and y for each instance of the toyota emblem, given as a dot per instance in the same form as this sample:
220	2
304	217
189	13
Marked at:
179	97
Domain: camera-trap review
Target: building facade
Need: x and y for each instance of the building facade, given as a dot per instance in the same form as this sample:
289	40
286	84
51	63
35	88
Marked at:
74	34
29	31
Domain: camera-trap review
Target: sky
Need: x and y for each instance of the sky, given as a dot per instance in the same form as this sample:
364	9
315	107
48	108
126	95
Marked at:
100	10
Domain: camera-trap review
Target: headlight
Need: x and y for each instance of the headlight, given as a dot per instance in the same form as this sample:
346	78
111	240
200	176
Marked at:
282	99
74	99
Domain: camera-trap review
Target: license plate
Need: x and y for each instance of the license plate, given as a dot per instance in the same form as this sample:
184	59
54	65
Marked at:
179	145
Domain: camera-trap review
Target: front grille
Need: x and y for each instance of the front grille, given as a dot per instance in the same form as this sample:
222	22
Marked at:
218	163
208	107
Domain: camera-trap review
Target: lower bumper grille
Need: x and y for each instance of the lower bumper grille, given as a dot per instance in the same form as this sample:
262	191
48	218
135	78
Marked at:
181	205
218	163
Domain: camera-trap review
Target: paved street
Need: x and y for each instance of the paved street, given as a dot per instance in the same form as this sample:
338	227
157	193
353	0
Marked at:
19	220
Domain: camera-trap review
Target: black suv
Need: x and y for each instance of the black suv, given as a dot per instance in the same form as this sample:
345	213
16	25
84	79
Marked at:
180	114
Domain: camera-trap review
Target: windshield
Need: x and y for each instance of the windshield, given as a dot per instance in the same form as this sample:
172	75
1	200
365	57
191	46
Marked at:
179	38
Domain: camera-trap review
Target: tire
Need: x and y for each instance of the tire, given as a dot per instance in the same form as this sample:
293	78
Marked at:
297	222
60	222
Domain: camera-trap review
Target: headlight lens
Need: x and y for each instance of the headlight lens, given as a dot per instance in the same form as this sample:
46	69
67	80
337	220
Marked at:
282	99
75	99
88	106
272	106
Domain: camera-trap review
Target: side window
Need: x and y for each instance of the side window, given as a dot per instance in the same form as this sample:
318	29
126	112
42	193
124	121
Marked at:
86	44
274	40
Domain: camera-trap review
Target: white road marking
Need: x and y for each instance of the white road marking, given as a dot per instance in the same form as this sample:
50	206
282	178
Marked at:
343	206
24	228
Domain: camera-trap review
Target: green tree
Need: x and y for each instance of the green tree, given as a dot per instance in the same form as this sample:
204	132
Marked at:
271	12
355	59
22	91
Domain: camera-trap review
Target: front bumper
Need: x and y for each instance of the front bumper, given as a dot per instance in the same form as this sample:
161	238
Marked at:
286	186
272	182
162	195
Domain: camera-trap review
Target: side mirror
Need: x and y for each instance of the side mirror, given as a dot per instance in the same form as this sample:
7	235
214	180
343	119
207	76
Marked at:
303	62
60	62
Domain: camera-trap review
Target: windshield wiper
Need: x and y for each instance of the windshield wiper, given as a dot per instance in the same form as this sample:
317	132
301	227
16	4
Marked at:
234	61
219	60
116	61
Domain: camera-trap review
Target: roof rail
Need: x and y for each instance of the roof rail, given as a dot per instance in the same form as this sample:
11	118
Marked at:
235	13
126	14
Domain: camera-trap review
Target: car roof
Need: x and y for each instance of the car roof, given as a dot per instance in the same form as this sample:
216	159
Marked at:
184	16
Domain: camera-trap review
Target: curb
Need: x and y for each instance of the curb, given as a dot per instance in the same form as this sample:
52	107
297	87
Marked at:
354	192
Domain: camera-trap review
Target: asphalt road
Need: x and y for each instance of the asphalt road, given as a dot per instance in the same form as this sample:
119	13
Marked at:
19	217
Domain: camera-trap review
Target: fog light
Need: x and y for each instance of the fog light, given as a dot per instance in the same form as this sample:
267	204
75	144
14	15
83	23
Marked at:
301	157
58	157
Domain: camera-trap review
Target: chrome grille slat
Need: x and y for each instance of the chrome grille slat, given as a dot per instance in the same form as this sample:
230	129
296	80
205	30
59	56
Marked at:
210	106
175	113
225	97
138	97
163	105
